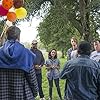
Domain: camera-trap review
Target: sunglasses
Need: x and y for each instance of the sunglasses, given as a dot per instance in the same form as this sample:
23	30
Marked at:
34	43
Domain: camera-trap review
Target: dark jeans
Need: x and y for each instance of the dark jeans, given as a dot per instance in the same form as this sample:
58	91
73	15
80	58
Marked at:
57	86
39	80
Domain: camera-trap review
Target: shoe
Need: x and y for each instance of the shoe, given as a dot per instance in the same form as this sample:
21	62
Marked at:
42	99
50	98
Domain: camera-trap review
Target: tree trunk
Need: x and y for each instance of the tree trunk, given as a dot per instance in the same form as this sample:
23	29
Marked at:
84	13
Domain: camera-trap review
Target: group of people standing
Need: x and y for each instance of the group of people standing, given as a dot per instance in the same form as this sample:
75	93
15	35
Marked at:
95	55
21	70
82	71
52	65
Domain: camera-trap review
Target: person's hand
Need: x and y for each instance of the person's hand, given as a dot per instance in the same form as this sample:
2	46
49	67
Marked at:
53	67
37	67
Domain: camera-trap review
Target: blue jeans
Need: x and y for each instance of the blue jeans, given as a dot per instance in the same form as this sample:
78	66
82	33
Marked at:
39	80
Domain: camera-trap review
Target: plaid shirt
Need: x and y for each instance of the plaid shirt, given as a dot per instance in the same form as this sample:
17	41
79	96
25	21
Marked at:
17	85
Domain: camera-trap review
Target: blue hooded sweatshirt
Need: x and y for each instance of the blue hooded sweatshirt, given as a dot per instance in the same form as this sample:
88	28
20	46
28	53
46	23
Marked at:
14	55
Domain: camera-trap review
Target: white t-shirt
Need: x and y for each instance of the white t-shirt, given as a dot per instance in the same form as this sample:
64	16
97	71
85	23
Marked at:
74	54
95	56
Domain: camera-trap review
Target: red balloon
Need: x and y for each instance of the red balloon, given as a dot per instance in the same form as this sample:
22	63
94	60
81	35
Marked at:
18	3
7	4
11	16
3	12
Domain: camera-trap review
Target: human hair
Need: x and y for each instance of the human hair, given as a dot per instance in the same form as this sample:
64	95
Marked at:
75	40
13	33
84	48
49	54
95	41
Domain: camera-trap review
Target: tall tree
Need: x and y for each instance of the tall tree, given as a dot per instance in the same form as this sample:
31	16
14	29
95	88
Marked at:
80	13
55	32
65	15
84	15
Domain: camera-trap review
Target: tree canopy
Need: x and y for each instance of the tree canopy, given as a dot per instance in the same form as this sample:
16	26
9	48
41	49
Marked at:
65	18
82	14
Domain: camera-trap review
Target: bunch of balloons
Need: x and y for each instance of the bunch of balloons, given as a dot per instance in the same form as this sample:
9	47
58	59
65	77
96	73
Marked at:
13	9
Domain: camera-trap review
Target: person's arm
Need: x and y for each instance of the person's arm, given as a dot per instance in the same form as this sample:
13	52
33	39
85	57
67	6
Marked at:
98	86
63	73
42	60
69	54
48	66
66	72
31	78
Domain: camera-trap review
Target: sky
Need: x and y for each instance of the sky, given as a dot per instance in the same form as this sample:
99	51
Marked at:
29	30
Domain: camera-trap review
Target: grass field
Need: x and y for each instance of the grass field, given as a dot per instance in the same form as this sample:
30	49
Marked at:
45	84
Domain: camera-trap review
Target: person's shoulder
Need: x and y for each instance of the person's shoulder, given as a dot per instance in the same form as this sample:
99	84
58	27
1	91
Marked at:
93	52
70	49
91	63
1	47
29	52
69	62
57	59
48	60
95	64
39	51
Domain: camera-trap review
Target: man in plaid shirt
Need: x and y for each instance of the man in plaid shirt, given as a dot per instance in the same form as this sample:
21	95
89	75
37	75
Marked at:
17	75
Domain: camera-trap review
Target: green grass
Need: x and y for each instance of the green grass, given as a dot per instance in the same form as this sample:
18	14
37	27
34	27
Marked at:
45	84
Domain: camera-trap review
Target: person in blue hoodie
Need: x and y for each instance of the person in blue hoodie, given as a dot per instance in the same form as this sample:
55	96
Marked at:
17	75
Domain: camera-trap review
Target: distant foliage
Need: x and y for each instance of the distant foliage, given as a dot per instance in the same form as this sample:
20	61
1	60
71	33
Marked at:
84	15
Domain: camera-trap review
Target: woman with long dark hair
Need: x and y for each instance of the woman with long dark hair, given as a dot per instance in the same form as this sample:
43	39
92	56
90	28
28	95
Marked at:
53	66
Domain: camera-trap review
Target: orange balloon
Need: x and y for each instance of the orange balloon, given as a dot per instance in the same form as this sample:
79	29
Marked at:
11	16
7	4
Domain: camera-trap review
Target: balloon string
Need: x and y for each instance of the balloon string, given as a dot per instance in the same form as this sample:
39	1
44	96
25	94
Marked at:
3	35
4	30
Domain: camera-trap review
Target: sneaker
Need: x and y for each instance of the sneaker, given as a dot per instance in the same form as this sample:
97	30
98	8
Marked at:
50	98
42	98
